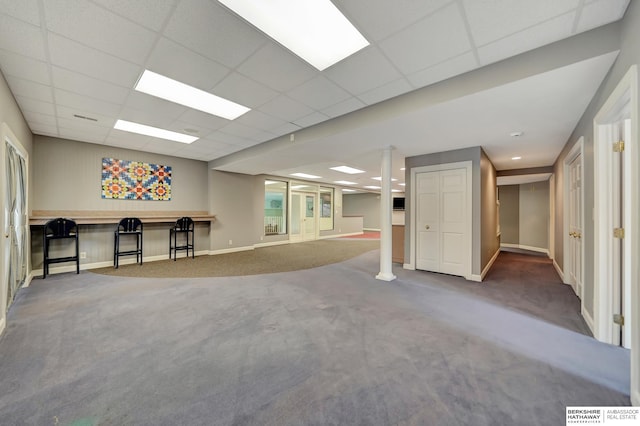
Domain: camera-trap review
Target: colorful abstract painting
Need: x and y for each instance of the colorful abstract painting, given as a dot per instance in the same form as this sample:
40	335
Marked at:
135	180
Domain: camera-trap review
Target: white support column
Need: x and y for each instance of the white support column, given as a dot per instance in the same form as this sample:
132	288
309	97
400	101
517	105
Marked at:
386	207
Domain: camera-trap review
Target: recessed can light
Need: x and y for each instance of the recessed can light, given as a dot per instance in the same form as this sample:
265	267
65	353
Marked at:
515	134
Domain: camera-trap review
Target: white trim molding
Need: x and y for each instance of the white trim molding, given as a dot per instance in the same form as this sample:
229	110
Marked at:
486	269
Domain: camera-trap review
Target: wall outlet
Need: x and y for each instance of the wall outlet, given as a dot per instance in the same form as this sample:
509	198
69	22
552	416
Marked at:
83	255
230	242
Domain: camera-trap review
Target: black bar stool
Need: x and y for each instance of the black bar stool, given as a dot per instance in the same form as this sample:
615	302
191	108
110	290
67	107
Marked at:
59	229
128	226
184	225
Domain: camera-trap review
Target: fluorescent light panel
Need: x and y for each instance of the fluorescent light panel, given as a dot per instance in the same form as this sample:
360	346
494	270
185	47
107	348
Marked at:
306	176
166	88
143	129
347	169
372	187
348	190
315	30
380	178
344	182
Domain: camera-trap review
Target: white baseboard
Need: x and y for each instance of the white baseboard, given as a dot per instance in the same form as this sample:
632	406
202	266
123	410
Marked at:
489	265
523	247
3	324
409	266
635	398
230	250
372	229
588	319
27	281
272	243
107	263
559	271
351	234
474	277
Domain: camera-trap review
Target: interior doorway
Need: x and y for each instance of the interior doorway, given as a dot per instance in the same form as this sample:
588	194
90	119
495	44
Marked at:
304	217
14	250
574	220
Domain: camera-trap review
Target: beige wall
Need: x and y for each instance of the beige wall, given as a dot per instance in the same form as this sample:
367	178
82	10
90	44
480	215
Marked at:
365	205
490	242
534	215
509	214
67	176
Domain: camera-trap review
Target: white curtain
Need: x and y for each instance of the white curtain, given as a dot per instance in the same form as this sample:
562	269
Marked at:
16	215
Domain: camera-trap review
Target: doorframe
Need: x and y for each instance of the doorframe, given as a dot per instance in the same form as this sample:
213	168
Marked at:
468	165
315	216
7	135
625	93
576	150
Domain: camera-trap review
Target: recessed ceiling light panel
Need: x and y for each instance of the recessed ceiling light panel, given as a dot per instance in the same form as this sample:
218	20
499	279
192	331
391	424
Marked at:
516	158
347	169
372	187
143	129
166	88
305	176
315	30
348	190
380	179
345	182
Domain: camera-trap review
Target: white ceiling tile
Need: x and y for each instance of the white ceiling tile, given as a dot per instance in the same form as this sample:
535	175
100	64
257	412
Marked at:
601	12
246	132
126	139
318	93
237	141
84	60
150	13
44	129
85	103
491	20
243	90
379	20
162	146
450	68
88	86
259	120
529	39
202	119
387	91
344	107
311	119
277	68
363	71
213	31
426	36
29	89
285	108
27	104
98	28
177	62
80	127
287	128
37	118
149	110
190	129
70	113
17	65
22	38
25	10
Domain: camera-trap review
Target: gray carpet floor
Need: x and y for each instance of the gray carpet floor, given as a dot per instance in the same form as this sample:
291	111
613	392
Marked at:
325	346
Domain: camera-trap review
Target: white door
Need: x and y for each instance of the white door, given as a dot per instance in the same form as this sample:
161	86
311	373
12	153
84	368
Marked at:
303	217
575	225
621	283
14	225
442	236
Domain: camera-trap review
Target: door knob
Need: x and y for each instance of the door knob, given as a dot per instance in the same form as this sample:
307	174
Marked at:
426	227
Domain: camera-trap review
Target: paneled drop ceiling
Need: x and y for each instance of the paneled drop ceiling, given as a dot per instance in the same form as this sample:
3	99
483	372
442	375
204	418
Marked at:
68	59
